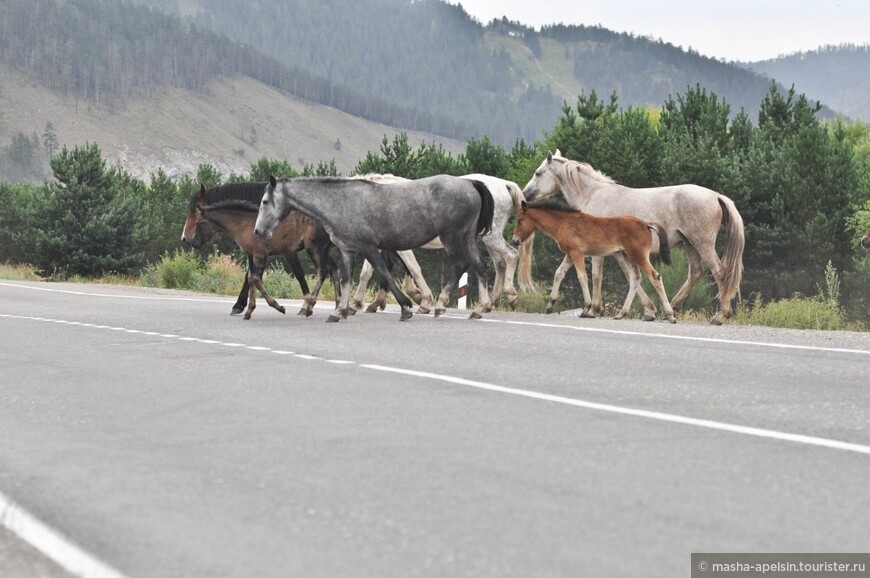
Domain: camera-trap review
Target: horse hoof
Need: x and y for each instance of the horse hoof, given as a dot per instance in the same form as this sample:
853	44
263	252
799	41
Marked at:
672	320
237	310
332	319
373	308
438	312
475	315
648	317
351	311
282	310
715	321
584	315
423	310
406	315
548	310
305	312
247	317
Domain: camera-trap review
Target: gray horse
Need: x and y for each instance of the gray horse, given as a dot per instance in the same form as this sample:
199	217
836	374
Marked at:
363	217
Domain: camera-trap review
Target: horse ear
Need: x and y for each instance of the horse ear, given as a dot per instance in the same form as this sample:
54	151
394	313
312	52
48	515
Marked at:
272	181
550	156
524	205
200	198
558	153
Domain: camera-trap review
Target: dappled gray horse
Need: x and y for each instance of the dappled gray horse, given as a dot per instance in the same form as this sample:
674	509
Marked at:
506	197
363	217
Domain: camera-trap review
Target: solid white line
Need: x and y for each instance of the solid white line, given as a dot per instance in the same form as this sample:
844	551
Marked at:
52	544
678	337
667	417
704	423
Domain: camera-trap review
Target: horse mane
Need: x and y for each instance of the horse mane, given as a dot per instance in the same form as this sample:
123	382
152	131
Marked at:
244	192
571	168
236	204
553	205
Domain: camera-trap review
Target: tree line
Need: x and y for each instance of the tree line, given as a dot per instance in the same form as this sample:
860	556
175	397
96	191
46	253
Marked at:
801	185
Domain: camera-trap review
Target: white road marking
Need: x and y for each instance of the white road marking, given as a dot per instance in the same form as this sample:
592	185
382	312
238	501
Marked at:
51	543
660	416
678	337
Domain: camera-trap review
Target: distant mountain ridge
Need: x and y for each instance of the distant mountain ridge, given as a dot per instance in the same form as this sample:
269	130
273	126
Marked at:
839	76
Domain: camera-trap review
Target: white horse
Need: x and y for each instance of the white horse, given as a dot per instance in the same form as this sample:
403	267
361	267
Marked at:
506	196
691	214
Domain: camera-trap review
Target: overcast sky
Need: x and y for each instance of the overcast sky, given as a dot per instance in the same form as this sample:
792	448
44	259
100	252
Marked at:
746	30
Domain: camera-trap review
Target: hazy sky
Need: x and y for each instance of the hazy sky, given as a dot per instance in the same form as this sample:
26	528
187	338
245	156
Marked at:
731	29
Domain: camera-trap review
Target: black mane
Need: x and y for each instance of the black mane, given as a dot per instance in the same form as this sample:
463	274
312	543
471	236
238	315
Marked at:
553	205
251	193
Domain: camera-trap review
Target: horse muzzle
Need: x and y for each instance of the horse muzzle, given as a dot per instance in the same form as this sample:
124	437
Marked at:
263	234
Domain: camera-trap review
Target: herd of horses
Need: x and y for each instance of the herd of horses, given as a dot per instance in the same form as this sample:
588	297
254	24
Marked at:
382	217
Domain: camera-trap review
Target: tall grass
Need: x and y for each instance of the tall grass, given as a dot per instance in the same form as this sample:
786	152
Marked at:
821	312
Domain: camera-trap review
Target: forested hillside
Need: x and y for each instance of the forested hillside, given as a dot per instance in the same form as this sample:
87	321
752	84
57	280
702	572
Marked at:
838	75
504	79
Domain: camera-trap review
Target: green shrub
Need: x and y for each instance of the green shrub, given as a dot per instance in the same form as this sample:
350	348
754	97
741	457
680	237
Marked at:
175	271
281	284
222	275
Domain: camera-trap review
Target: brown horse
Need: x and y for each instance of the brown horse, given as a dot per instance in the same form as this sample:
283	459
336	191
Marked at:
579	234
865	240
232	209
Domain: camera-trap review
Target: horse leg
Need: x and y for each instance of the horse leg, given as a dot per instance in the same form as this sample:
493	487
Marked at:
649	308
512	259
656	281
478	266
448	280
633	284
416	273
386	276
257	281
411	289
242	300
696	271
597	278
725	294
563	268
505	258
298	272
579	260
343	304
364	276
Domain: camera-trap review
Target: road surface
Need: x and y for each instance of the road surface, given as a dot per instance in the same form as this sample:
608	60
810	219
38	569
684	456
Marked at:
154	435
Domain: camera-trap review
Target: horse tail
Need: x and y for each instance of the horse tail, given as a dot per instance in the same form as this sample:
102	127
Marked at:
664	246
732	257
487	209
524	267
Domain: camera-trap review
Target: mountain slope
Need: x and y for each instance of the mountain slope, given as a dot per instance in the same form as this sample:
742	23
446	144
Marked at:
836	75
178	129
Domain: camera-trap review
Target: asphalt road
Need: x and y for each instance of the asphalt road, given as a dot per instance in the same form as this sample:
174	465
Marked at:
165	438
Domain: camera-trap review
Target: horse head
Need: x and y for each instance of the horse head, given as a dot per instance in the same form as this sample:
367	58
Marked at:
545	182
524	227
273	208
196	231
